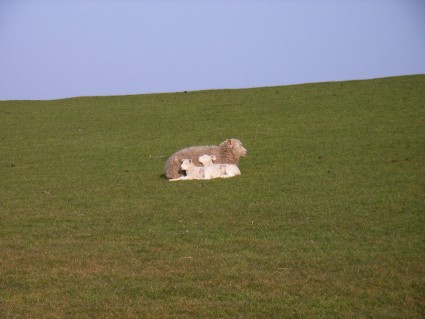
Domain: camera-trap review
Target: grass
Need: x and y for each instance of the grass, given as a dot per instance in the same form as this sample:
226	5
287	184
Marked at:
326	221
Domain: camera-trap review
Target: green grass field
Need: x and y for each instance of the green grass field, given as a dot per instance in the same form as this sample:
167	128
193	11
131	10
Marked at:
326	221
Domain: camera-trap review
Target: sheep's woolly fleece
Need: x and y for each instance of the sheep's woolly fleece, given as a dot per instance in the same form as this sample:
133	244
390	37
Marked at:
227	152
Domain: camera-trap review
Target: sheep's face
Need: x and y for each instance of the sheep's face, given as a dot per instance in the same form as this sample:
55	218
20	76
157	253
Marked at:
206	159
237	147
186	164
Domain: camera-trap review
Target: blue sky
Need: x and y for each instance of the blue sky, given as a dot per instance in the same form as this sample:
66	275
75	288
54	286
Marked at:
53	49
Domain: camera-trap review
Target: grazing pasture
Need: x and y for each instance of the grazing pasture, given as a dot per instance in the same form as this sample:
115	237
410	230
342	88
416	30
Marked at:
327	219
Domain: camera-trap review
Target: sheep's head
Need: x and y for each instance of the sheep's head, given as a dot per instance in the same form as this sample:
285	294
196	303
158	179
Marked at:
236	146
186	164
207	159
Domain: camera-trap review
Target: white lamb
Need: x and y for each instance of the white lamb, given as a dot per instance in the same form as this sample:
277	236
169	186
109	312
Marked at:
196	172
227	170
213	171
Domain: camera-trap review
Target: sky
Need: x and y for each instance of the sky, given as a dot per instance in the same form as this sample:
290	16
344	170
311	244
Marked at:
51	49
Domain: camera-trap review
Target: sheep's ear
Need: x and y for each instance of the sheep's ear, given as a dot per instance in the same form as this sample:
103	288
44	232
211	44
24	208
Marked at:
213	157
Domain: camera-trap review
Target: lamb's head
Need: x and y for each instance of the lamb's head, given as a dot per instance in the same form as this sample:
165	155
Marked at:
236	146
186	164
206	160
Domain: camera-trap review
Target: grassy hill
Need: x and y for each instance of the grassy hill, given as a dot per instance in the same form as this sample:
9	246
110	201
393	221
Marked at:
326	221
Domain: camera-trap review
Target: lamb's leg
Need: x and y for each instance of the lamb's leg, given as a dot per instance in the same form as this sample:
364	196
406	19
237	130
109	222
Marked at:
229	174
205	175
178	179
223	169
201	174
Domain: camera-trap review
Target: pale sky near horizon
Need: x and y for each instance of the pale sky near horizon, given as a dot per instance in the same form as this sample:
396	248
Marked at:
59	49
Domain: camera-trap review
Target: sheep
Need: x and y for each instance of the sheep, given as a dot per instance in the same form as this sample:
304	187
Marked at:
227	170
214	171
192	171
228	152
196	172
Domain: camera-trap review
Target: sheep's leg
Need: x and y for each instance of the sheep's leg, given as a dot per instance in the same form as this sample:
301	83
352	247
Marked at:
202	175
206	175
230	174
178	179
223	169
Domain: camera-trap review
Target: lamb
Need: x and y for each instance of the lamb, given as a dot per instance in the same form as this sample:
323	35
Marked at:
192	171
196	172
227	170
213	171
228	152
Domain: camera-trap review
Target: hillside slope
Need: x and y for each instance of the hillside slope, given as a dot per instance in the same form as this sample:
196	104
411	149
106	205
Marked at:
326	220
